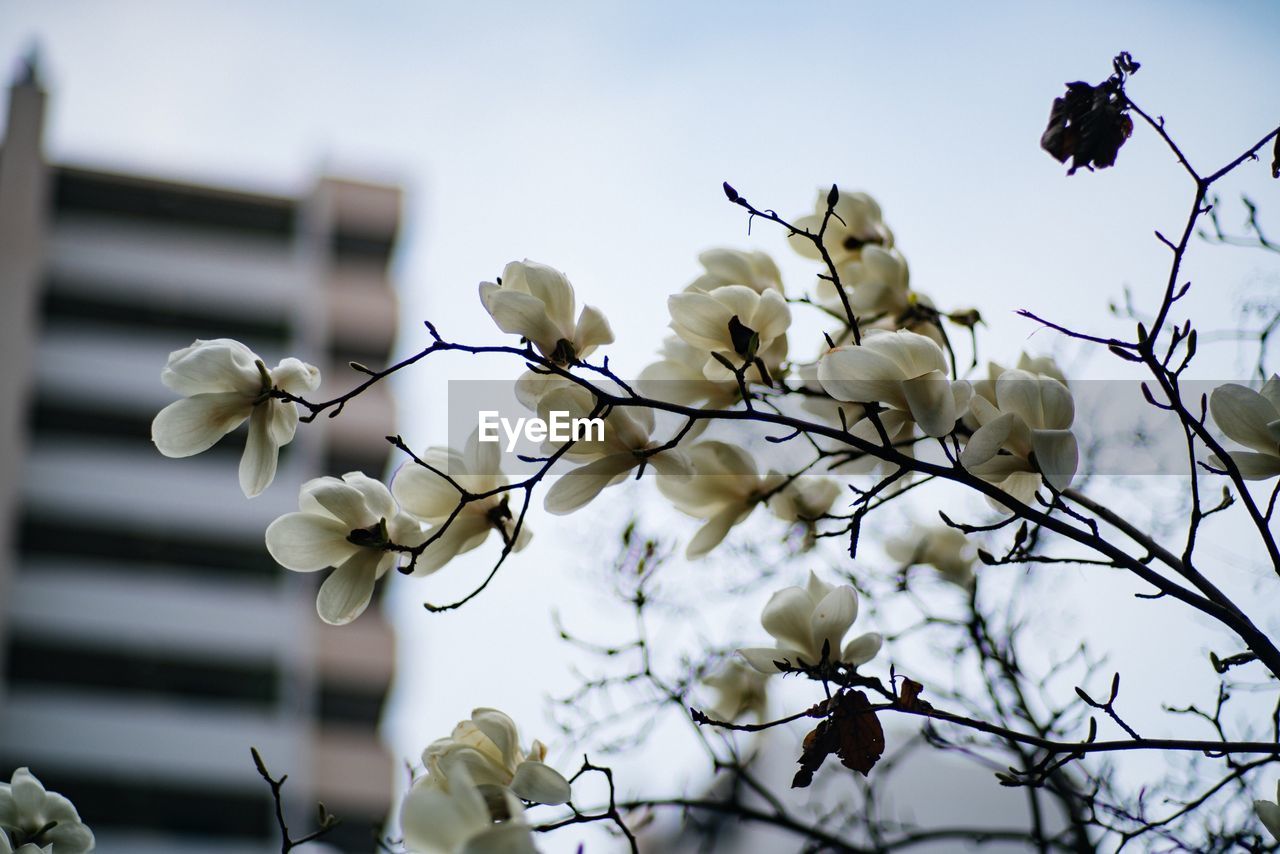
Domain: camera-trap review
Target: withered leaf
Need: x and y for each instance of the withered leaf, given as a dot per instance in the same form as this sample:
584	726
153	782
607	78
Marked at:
1088	125
909	695
1275	159
852	732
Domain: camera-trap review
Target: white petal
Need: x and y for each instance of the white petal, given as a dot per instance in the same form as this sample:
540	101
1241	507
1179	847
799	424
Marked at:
832	619
540	783
788	617
1243	415
1269	815
424	493
862	649
345	594
261	453
509	837
579	487
700	320
1057	456
465	533
931	403
523	315
295	377
987	440
593	330
194	424
762	658
377	498
1256	466
714	531
306	542
343	502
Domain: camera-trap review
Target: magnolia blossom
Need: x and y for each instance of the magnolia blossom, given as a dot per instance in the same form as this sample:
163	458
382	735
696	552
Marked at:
33	820
1269	814
1040	365
857	223
804	620
678	377
431	494
536	302
734	322
876	282
1251	418
902	370
739	691
488	747
803	498
457	819
345	524
625	446
1032	415
944	548
223	383
756	270
724	488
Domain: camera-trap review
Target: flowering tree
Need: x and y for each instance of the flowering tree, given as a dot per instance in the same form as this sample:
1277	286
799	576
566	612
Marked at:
737	420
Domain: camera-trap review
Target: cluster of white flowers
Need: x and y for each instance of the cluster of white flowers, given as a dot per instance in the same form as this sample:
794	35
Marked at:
34	821
471	798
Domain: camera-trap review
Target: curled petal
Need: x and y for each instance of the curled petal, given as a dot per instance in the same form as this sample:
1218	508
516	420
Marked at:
714	531
295	376
593	330
987	440
220	365
540	783
579	487
931	403
862	649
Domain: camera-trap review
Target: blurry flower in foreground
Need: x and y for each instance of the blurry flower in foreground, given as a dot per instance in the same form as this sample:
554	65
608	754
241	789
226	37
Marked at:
723	490
1269	814
857	223
223	383
1251	418
34	820
457	820
344	523
1031	417
756	270
740	691
536	302
430	496
488	747
735	323
902	370
805	619
940	546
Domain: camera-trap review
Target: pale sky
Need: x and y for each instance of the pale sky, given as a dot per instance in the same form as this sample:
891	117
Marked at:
594	136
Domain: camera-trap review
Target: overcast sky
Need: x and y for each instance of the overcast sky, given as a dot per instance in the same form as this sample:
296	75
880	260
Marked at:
594	136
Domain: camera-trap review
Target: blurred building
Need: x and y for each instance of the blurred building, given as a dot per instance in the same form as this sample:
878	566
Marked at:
146	637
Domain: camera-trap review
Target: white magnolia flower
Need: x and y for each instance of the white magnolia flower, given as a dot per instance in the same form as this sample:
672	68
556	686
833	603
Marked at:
343	523
457	819
739	691
1269	814
223	383
735	322
1032	415
428	495
488	747
1251	418
857	223
940	546
876	283
805	619
1040	365
34	820
626	444
903	370
678	377
723	490
723	267
536	302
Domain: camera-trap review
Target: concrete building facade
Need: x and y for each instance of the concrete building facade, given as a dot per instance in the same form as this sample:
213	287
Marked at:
147	639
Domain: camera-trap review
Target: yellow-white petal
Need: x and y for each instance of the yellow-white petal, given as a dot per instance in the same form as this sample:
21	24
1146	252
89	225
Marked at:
194	424
345	594
306	542
261	453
